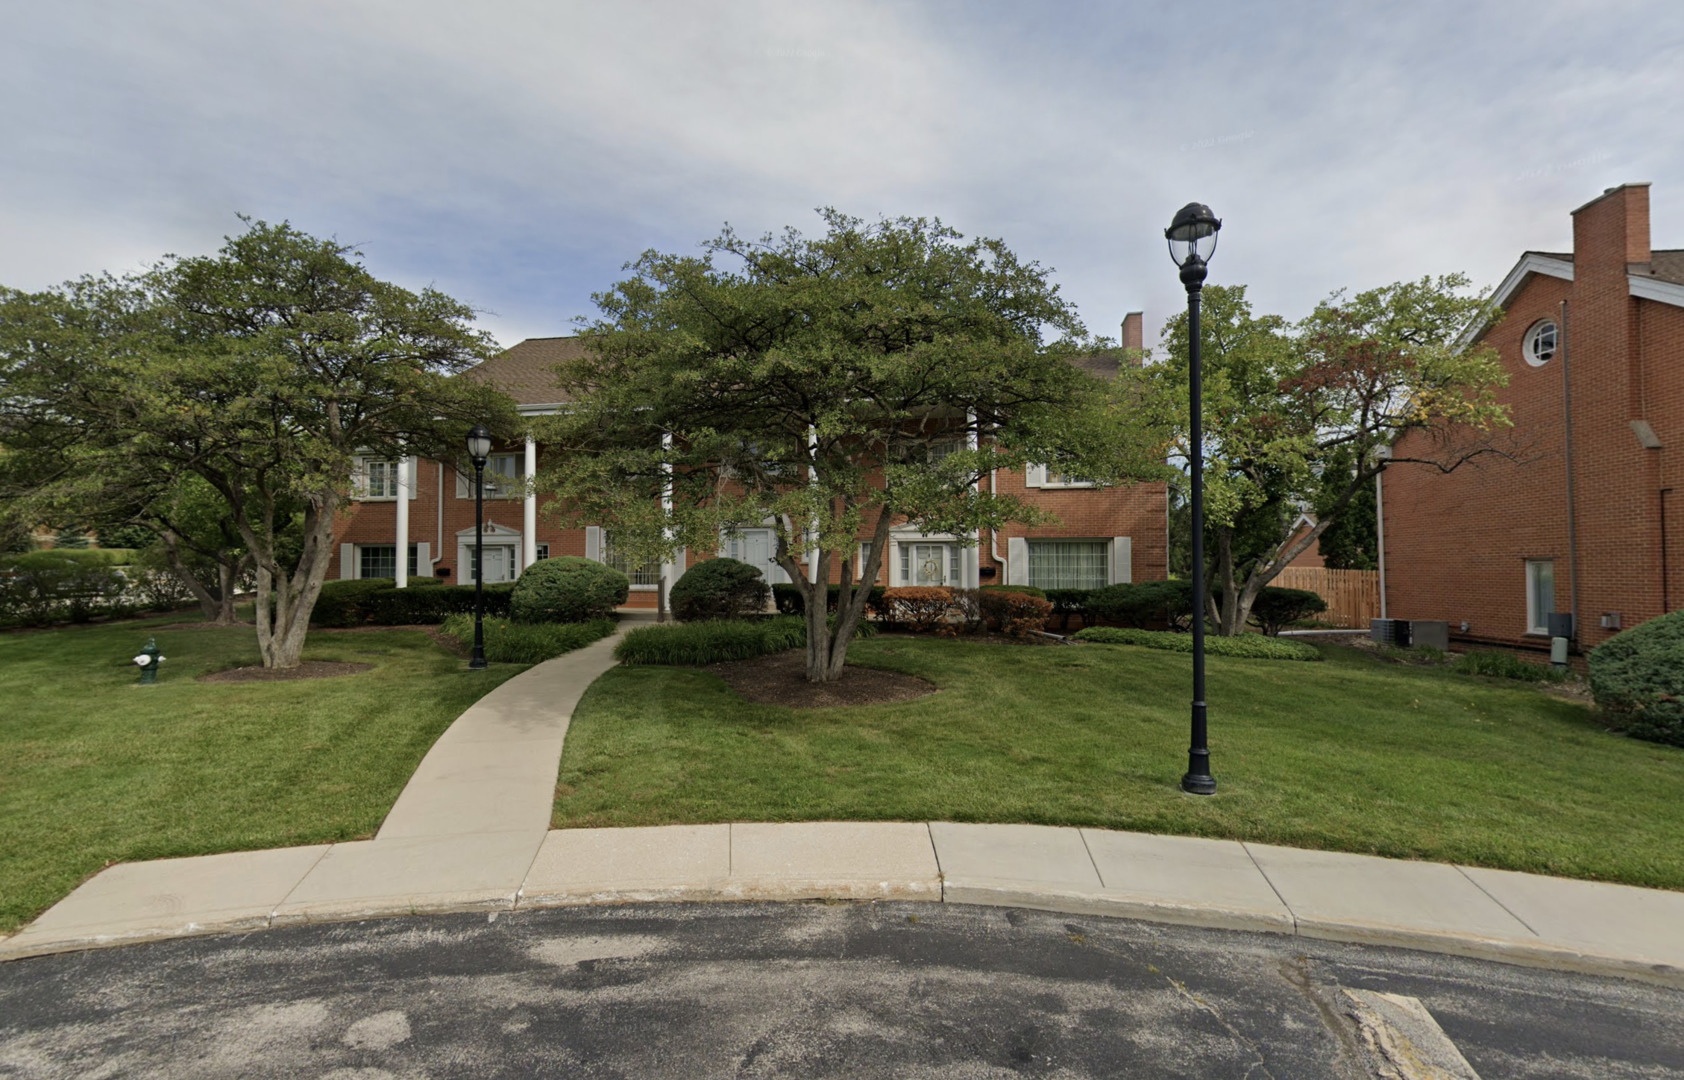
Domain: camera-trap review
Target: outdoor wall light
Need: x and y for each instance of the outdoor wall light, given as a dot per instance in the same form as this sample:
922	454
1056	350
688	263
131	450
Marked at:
1192	241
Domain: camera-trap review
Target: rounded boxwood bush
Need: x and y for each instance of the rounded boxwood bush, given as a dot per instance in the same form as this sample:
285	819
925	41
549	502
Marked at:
567	589
719	589
1637	679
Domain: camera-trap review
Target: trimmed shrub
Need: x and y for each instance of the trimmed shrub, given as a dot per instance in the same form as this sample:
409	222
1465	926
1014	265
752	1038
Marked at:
918	608
967	611
1144	604
344	602
1016	614
509	642
1637	679
567	589
1252	646
718	589
789	601
1275	609
716	641
1069	602
379	602
1027	590
1502	665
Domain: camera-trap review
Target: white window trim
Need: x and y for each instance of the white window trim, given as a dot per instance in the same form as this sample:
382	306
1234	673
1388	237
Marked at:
496	490
1529	342
1537	622
359	477
1038	476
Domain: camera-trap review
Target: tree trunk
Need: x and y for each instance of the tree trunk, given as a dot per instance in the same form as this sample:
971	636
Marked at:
284	601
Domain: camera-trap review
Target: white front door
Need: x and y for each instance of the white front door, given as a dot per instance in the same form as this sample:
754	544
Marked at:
499	564
929	565
756	547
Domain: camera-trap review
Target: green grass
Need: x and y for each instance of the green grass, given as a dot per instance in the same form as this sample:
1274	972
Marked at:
95	768
1349	755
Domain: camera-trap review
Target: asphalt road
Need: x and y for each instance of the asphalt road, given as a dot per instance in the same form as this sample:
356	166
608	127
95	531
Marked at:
807	990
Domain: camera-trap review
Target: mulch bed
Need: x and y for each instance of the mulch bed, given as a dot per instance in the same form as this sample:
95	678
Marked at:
309	669
781	679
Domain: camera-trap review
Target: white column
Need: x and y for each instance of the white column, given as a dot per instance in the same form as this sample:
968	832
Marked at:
404	484
529	509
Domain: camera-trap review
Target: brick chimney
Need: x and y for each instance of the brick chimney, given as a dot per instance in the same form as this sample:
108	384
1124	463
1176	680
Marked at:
1612	230
1134	336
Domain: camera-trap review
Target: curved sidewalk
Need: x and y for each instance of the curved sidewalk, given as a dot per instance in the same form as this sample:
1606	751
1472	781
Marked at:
470	833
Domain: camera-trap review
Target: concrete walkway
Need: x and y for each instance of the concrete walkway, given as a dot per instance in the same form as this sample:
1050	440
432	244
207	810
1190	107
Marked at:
470	833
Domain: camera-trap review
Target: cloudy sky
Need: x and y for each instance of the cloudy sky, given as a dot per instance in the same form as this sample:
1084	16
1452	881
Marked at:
516	153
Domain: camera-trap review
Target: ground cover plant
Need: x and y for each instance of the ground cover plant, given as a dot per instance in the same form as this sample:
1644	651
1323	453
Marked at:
1256	646
510	642
1352	754
712	642
95	768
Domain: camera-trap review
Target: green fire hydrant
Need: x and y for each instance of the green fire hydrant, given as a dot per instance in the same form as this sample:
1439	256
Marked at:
148	662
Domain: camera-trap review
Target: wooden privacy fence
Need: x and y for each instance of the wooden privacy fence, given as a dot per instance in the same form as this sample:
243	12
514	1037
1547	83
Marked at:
1353	596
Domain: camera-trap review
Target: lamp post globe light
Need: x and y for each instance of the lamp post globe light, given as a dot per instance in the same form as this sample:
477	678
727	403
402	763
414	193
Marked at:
1192	241
479	449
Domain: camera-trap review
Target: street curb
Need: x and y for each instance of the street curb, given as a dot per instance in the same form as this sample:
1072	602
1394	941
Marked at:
1519	953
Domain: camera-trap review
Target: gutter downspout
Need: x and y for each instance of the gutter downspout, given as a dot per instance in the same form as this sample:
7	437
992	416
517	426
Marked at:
994	534
434	561
1572	522
1380	536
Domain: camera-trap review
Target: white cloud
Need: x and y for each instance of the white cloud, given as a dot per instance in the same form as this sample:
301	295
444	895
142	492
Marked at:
516	154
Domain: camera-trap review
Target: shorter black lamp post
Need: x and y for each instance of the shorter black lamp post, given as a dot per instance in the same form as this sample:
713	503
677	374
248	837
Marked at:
479	448
1192	240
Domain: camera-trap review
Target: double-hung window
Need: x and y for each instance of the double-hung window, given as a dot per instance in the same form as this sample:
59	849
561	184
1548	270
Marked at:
1069	564
379	479
505	478
646	574
381	560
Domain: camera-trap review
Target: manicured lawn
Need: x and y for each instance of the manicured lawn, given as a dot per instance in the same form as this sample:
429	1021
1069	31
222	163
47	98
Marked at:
1351	755
95	768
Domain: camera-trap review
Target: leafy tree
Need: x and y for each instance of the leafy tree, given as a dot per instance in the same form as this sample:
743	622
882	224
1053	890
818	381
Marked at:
823	385
1294	415
1351	542
262	370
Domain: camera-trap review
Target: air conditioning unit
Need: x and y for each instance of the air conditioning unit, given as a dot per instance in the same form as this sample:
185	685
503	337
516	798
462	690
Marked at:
1432	633
1389	632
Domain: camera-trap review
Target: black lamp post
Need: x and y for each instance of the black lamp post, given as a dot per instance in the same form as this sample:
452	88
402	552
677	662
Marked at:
1192	239
479	448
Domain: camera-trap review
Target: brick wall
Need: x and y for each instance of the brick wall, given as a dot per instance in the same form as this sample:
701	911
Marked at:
1457	544
1137	511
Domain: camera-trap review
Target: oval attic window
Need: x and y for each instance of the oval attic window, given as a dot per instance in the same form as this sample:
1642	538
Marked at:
1539	345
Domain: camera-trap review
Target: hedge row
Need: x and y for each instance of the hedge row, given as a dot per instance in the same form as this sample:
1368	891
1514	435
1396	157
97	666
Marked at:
379	602
509	642
1254	646
40	588
718	641
789	600
715	641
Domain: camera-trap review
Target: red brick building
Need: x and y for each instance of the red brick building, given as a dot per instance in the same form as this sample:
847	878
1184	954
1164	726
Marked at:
1105	535
1591	520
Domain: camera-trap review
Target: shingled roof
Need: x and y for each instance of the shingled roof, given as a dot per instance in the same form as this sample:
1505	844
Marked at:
1664	265
523	372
